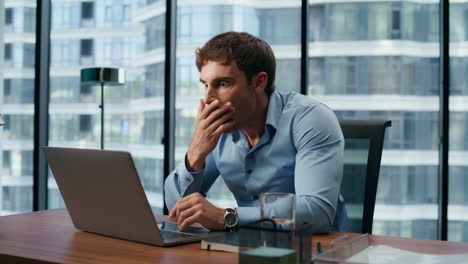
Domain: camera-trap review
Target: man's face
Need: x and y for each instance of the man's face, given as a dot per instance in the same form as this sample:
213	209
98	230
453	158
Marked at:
227	83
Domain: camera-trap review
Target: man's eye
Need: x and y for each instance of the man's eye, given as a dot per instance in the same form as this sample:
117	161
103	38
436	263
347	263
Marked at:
223	83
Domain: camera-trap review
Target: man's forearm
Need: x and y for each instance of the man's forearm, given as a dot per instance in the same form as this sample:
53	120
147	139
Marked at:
177	184
182	182
311	212
314	214
248	214
194	162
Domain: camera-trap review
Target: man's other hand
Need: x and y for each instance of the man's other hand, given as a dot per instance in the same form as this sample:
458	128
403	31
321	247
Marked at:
212	120
194	208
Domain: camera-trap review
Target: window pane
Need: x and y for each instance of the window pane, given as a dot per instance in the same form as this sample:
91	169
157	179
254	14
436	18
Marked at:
458	147
86	47
87	10
17	42
379	60
117	35
279	25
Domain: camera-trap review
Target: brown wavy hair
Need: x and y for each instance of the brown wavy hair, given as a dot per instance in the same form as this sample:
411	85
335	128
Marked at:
251	54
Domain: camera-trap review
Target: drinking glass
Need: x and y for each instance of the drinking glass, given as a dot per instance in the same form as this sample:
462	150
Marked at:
280	208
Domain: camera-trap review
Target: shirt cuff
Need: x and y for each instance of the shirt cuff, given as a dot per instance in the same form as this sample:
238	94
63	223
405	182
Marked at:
186	177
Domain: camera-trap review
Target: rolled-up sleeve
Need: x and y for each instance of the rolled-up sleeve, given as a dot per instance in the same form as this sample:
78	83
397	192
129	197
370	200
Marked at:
319	168
182	182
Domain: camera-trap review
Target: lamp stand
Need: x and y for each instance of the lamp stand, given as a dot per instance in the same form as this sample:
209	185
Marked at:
100	75
102	115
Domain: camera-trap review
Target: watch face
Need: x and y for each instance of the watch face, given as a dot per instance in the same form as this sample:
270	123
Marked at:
230	219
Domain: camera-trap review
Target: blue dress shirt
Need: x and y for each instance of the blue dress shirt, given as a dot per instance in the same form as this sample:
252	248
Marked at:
300	152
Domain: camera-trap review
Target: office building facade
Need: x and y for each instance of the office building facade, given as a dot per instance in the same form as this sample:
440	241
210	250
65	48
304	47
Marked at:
367	60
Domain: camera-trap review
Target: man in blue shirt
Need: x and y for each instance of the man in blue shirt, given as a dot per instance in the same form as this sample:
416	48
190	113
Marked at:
258	140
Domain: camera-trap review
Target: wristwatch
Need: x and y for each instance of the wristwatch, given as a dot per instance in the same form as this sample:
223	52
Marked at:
230	219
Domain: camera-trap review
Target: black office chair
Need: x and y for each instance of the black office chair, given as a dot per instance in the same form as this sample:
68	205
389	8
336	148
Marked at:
363	152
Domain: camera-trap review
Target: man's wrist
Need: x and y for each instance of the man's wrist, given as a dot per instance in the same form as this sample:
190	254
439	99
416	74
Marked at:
193	165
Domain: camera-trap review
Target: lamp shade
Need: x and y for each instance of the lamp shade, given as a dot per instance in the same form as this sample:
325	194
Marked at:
100	75
2	121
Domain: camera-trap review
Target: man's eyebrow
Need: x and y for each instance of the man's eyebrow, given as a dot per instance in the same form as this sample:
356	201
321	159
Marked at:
225	78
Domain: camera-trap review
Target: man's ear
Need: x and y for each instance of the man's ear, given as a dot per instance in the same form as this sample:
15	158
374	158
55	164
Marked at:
260	81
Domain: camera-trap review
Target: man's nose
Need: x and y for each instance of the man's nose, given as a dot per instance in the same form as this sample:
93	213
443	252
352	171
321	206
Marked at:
209	95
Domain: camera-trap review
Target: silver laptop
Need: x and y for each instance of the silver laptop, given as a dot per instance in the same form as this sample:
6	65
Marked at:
104	195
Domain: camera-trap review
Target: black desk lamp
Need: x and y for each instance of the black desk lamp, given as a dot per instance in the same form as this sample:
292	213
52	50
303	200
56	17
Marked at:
107	76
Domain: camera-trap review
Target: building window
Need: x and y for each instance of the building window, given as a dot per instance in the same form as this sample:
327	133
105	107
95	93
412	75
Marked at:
8	16
7	87
396	21
434	75
87	10
8	51
466	24
317	22
29	20
85	123
26	167
126	13
7	122
108	14
85	89
6	159
86	47
29	54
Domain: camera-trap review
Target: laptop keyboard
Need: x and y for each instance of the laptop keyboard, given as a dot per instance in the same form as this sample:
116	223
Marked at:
174	227
169	235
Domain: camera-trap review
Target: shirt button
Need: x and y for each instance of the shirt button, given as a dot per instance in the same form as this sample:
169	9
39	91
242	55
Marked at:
249	171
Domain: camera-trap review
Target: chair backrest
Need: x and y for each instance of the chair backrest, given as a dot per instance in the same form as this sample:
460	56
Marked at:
363	152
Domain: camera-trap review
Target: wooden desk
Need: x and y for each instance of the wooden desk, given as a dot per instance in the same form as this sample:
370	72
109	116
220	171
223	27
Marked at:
49	237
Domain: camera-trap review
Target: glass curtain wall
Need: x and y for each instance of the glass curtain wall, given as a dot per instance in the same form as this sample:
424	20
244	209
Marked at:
367	60
17	41
379	60
458	147
123	34
277	22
